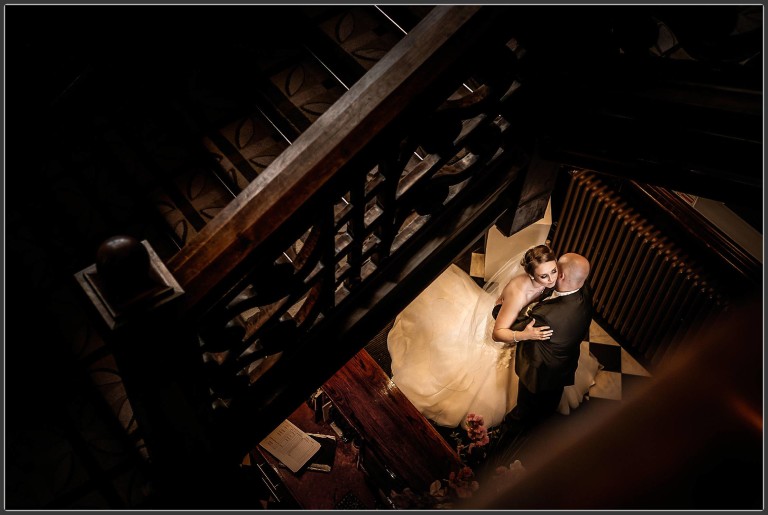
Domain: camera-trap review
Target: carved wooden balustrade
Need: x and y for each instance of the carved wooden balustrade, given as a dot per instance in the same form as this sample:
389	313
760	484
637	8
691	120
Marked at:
344	228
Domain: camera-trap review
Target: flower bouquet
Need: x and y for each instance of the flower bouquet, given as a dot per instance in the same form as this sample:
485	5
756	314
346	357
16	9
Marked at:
472	449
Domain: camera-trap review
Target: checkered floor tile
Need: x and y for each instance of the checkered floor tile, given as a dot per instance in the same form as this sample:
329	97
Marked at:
618	369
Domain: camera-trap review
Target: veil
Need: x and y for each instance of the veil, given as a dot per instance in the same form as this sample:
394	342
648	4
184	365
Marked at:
482	320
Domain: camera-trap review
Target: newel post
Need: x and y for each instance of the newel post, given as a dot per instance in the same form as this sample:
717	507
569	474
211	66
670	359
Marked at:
127	281
157	354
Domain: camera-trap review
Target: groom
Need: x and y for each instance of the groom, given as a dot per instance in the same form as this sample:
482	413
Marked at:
546	367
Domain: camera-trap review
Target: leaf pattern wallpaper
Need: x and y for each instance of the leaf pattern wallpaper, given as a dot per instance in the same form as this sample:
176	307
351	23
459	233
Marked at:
362	35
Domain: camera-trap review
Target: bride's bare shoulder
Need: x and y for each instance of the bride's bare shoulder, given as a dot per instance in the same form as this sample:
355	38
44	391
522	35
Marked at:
518	283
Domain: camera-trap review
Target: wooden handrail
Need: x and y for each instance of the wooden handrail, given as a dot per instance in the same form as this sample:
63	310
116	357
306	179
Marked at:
739	268
313	159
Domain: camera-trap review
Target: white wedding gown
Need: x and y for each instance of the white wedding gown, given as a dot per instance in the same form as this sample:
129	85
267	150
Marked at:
446	363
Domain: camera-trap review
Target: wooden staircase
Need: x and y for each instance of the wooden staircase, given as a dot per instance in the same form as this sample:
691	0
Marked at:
304	181
201	157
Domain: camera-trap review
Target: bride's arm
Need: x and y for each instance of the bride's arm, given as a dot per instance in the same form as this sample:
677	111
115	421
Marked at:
513	301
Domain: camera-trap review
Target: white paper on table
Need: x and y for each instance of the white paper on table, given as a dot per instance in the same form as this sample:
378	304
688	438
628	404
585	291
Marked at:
290	445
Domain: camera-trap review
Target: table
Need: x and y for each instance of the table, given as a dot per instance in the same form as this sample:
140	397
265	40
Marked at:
344	484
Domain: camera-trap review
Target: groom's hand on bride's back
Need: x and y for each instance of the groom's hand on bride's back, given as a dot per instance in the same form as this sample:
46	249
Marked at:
531	332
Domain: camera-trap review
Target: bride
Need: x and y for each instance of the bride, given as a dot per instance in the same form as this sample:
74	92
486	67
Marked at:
444	357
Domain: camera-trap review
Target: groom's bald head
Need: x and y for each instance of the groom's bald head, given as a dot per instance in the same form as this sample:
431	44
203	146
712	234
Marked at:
573	270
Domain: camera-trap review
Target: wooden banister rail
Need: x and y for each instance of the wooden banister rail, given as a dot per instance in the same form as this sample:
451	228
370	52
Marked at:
317	155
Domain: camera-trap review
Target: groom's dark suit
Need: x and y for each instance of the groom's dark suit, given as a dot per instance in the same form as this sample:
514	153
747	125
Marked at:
545	367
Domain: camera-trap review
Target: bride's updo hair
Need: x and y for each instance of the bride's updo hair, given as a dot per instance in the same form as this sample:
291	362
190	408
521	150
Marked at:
536	256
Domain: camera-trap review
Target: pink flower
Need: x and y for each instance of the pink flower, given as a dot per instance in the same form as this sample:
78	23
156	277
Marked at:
476	431
478	419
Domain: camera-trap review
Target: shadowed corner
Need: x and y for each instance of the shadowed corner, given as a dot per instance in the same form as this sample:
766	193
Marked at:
691	439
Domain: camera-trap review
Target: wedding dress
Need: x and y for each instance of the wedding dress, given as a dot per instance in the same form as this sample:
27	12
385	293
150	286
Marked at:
446	363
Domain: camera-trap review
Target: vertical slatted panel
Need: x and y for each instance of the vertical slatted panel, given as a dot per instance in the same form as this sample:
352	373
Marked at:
665	316
573	204
638	279
656	272
621	297
357	230
589	213
595	230
600	258
607	282
623	273
648	291
671	281
609	247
